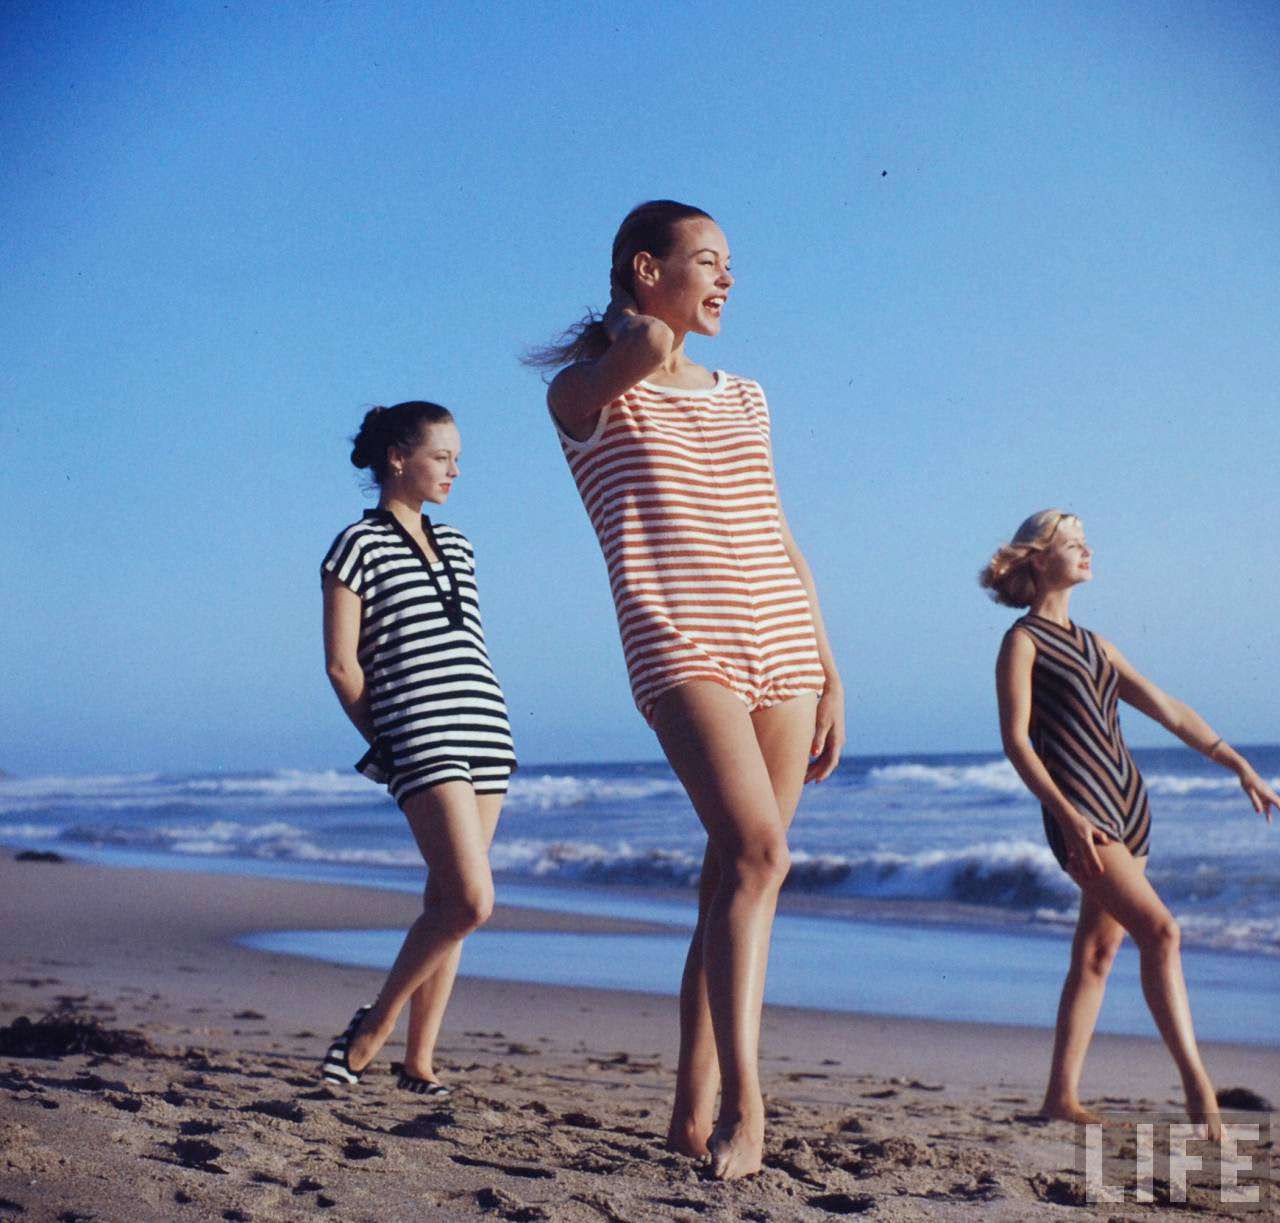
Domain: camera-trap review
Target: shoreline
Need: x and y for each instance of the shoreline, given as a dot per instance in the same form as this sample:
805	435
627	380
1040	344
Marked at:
561	1093
926	914
943	963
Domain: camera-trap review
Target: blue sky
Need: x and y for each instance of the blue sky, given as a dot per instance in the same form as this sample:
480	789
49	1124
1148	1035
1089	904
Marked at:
990	257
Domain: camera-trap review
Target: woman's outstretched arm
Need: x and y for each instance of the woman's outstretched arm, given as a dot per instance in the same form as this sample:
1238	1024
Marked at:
829	731
1180	719
1013	694
342	607
638	345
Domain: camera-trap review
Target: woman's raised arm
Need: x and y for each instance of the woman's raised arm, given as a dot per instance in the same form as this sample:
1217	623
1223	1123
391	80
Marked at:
638	345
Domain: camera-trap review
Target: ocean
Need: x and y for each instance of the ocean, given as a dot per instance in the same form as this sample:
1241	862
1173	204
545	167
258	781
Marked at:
930	864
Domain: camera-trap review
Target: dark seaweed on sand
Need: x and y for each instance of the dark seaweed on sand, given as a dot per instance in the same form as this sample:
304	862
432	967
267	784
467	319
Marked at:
63	1033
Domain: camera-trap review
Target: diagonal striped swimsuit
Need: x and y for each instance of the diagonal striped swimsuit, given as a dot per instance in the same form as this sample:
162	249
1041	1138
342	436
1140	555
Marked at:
679	487
1075	730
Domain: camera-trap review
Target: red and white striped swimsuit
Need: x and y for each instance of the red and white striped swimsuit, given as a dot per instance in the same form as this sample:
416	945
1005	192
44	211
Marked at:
679	487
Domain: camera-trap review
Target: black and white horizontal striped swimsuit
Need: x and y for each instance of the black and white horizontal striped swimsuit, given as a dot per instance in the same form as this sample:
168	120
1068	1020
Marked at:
436	706
1075	730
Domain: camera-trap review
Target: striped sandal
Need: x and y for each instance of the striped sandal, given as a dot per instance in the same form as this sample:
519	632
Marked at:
336	1068
422	1087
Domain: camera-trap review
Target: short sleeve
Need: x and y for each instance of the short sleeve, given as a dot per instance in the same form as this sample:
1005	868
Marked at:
345	560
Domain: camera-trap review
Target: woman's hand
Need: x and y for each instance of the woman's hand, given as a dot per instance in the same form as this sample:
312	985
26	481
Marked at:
622	309
828	735
1261	795
1082	838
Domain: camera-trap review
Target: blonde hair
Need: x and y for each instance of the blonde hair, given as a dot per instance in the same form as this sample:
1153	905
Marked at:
1009	576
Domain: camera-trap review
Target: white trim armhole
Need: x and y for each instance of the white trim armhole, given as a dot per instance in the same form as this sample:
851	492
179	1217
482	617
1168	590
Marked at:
573	443
768	416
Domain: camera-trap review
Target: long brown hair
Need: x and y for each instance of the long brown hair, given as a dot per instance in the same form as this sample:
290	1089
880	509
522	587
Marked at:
647	227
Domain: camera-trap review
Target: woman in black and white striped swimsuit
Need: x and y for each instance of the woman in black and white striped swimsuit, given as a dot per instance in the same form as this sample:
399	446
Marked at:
1059	686
406	654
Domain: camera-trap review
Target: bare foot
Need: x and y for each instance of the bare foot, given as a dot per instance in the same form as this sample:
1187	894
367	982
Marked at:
1071	1110
1202	1109
736	1148
688	1138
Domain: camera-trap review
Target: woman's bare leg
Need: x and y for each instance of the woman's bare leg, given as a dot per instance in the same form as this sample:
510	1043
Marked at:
713	746
697	1071
1097	939
1126	893
446	825
429	1000
783	733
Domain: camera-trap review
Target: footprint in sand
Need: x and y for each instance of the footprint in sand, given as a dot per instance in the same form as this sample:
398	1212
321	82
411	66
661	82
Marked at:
426	1126
355	1149
842	1203
197	1129
284	1110
498	1201
126	1103
1056	1189
528	1171
197	1153
797	1160
695	1204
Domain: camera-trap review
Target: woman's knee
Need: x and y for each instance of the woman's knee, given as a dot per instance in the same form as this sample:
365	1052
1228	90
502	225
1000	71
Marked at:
1098	954
1163	936
467	907
761	863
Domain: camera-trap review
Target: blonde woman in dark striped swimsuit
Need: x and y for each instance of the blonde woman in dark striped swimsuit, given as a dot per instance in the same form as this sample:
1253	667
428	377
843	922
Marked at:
1058	687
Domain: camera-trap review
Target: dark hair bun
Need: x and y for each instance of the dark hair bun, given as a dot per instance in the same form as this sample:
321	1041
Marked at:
369	446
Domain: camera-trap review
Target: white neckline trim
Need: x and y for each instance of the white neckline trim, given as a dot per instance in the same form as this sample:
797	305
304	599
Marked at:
683	392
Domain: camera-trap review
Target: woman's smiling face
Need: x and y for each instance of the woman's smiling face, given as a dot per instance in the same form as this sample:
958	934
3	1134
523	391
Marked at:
687	288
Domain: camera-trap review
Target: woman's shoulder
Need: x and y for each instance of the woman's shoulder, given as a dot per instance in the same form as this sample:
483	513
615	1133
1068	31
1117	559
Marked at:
738	388
371	524
1024	626
449	536
355	532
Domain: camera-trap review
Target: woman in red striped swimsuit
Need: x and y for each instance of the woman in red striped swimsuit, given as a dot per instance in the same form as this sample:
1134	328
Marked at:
725	646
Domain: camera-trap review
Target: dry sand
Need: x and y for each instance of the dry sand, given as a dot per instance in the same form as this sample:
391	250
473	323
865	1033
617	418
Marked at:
561	1094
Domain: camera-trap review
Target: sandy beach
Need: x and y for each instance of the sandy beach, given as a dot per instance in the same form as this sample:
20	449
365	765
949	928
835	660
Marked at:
560	1094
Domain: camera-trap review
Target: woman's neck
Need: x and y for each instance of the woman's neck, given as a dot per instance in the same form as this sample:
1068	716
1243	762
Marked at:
1053	605
407	512
676	362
